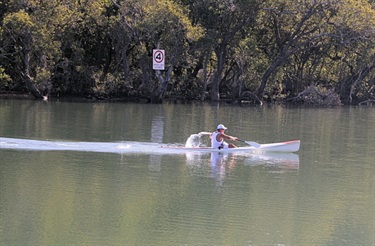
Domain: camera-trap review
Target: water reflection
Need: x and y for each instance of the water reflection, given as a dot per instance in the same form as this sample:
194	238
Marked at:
157	134
219	165
282	161
90	196
157	129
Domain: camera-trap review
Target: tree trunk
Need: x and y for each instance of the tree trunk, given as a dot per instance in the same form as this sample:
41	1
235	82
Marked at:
205	78
298	38
221	53
30	85
124	58
32	88
350	85
159	93
268	73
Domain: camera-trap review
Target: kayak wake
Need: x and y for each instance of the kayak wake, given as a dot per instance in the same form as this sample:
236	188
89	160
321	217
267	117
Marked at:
137	147
130	147
107	147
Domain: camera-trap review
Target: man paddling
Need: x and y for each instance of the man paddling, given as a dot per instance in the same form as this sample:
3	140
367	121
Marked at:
218	137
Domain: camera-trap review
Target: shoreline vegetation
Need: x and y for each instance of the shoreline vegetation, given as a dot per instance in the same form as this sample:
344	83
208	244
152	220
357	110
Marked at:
310	99
317	52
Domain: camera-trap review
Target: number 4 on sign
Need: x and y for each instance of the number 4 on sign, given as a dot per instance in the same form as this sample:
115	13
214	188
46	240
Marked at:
158	56
158	59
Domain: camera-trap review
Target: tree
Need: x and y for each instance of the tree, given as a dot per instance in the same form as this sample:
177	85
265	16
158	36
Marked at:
354	24
158	24
307	38
292	28
21	29
224	22
104	48
30	28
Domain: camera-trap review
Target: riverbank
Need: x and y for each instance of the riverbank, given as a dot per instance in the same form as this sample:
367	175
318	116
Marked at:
309	98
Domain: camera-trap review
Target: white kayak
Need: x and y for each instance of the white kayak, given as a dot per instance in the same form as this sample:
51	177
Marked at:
288	146
137	147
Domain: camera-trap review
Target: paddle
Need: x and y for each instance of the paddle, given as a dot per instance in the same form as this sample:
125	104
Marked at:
254	144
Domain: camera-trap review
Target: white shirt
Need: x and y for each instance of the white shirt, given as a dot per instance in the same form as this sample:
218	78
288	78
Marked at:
217	144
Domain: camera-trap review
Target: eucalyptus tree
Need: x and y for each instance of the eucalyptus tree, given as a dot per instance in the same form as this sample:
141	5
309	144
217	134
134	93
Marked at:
5	46
288	27
354	25
225	22
309	39
53	45
159	24
31	44
85	34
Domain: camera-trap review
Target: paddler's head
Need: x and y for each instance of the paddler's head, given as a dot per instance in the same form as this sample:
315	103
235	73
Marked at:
221	127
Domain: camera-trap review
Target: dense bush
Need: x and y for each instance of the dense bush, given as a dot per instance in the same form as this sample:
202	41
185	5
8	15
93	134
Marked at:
215	49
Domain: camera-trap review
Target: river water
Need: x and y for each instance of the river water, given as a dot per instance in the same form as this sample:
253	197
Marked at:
67	177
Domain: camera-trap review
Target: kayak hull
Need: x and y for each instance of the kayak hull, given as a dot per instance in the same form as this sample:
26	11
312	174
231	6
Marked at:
138	147
289	146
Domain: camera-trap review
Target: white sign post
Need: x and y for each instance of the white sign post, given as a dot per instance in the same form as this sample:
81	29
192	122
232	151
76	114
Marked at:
158	59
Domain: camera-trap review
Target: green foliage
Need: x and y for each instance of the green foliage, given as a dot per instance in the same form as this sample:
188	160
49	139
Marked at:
4	79
104	48
18	22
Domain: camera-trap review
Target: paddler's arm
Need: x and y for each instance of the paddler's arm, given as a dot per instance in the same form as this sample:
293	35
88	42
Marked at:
228	137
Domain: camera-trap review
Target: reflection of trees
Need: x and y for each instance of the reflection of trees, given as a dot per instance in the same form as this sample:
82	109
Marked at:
157	134
157	129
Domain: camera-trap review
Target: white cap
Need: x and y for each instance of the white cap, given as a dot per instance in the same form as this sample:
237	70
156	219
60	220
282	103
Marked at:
221	126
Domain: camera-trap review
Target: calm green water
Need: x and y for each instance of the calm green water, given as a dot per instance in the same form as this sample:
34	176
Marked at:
323	195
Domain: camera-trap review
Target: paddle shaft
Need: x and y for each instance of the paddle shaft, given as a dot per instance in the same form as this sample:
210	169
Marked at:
254	144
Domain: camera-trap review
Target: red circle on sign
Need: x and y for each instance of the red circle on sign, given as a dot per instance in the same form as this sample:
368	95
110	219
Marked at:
158	56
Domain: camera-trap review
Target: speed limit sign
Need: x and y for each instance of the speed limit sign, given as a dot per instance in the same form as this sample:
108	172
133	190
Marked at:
158	59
